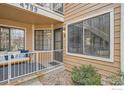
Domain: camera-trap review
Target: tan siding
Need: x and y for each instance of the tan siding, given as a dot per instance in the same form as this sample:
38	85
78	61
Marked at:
89	11
83	9
72	14
76	6
117	35
70	6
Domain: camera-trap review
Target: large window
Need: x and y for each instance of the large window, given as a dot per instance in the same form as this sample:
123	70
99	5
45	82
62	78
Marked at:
90	36
11	39
43	40
75	43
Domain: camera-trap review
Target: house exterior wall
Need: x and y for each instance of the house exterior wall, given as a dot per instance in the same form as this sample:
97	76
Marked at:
73	12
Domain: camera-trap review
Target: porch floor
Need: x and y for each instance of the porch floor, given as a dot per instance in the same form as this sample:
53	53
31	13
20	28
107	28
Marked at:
24	68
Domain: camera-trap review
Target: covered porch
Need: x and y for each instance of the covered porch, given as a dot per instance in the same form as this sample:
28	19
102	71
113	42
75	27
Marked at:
29	43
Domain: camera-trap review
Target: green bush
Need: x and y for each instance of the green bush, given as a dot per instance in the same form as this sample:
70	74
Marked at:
85	75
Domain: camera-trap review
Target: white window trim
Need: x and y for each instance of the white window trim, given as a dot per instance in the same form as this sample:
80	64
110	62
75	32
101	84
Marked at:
11	26
111	59
122	38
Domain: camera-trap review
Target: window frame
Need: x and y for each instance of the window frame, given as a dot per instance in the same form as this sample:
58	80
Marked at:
111	58
43	41
14	27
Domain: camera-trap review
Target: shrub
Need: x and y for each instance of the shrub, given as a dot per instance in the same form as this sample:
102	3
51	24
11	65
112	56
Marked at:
116	79
85	75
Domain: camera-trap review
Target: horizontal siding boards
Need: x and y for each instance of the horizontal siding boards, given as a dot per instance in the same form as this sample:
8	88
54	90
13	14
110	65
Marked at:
102	72
117	10
117	34
83	10
70	6
117	40
117	16
90	11
98	66
78	8
117	52
117	22
104	68
117	46
82	59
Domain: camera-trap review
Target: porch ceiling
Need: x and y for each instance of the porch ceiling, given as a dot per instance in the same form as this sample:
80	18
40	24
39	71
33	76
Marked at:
21	15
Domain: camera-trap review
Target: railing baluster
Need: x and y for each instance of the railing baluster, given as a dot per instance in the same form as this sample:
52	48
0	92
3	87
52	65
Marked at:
37	61
3	72
25	68
21	68
9	71
14	69
42	59
18	68
30	64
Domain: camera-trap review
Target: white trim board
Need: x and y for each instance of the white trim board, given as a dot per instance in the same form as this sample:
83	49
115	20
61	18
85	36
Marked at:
111	59
122	37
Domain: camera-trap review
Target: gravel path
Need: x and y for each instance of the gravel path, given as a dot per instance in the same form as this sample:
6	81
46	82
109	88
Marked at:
58	77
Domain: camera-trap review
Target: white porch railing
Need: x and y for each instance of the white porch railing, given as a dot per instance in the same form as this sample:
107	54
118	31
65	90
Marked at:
21	64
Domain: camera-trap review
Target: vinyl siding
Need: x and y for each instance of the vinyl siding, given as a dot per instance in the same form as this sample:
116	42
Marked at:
76	11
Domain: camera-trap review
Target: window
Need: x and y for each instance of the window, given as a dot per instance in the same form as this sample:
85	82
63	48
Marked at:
17	39
43	40
75	43
11	39
90	36
4	39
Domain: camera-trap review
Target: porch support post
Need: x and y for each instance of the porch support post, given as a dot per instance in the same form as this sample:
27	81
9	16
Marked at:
52	44
33	37
122	37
